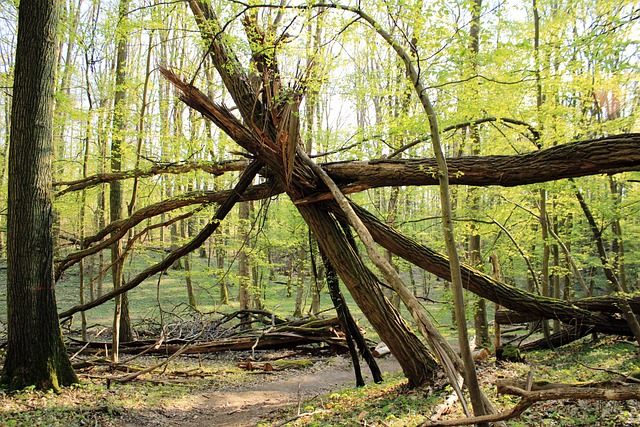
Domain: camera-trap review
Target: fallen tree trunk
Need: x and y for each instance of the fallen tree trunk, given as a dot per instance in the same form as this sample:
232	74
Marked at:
485	286
609	155
287	335
507	386
557	339
531	397
269	341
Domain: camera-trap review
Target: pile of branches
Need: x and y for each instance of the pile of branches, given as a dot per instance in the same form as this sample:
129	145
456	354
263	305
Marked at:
238	331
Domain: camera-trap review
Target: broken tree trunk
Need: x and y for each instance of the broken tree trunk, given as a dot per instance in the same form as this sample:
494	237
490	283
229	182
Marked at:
271	133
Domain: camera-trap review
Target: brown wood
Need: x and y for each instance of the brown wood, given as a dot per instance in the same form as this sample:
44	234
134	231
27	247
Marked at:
611	154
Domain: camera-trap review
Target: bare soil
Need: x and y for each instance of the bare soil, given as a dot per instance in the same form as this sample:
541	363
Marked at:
262	399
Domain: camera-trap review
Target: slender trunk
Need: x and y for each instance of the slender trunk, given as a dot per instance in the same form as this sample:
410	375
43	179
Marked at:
617	244
300	283
244	269
191	296
627	312
121	325
220	255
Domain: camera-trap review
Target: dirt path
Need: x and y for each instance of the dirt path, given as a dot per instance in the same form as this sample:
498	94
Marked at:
246	406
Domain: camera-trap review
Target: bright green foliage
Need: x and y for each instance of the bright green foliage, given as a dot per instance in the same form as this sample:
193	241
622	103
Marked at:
588	71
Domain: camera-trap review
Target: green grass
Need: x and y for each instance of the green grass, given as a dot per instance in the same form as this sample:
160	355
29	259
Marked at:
168	294
393	404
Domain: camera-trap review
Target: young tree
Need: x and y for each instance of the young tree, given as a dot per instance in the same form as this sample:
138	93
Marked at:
36	354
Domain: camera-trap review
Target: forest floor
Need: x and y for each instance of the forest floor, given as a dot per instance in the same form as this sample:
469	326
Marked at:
262	398
212	390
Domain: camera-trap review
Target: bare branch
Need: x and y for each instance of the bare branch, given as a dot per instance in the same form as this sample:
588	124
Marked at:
158	169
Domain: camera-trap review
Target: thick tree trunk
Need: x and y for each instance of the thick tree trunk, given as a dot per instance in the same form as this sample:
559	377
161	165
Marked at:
413	356
612	154
36	354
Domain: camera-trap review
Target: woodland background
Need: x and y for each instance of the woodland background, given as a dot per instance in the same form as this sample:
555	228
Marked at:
137	173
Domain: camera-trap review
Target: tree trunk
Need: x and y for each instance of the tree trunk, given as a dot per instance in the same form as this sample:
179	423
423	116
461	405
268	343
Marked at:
191	296
627	311
300	269
121	323
36	354
244	269
222	276
416	361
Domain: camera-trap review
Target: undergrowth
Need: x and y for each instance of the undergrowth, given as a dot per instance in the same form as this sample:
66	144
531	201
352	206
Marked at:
391	403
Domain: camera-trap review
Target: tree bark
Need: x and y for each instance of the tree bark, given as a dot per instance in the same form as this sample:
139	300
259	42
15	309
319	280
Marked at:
36	354
413	356
607	155
244	270
121	322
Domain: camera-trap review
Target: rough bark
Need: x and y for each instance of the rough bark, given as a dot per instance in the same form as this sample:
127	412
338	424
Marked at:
608	155
36	354
365	288
244	269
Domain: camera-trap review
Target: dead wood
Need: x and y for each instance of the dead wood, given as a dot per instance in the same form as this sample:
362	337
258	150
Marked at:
117	229
531	397
213	168
588	157
567	335
301	332
505	386
266	341
445	407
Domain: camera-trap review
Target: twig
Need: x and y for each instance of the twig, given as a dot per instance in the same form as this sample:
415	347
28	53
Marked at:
610	371
296	417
